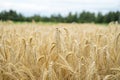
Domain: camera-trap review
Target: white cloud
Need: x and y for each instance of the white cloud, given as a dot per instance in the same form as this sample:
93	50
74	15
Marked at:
47	7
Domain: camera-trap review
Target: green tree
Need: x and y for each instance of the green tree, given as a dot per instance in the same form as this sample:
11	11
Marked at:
99	18
86	17
36	18
72	18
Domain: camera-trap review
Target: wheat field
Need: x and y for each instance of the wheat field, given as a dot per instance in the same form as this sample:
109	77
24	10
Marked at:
35	51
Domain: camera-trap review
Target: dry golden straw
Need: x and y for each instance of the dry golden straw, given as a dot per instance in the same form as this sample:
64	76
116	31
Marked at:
34	51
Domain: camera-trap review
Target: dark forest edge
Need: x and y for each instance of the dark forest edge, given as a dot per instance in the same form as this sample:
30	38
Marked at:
83	17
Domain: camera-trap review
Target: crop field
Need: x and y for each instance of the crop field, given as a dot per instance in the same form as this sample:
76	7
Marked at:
38	51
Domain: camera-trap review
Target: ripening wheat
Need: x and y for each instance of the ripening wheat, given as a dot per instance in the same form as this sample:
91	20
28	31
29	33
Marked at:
33	51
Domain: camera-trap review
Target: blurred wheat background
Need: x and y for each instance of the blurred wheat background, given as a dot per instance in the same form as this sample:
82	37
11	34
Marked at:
33	51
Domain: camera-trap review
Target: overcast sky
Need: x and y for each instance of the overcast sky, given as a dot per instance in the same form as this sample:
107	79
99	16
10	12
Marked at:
48	7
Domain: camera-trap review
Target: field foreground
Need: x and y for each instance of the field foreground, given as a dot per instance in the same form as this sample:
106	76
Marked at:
33	51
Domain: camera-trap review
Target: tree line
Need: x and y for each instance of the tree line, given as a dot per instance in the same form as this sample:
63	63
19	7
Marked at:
83	17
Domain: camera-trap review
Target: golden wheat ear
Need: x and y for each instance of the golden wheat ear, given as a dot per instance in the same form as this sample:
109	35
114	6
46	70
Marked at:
57	37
